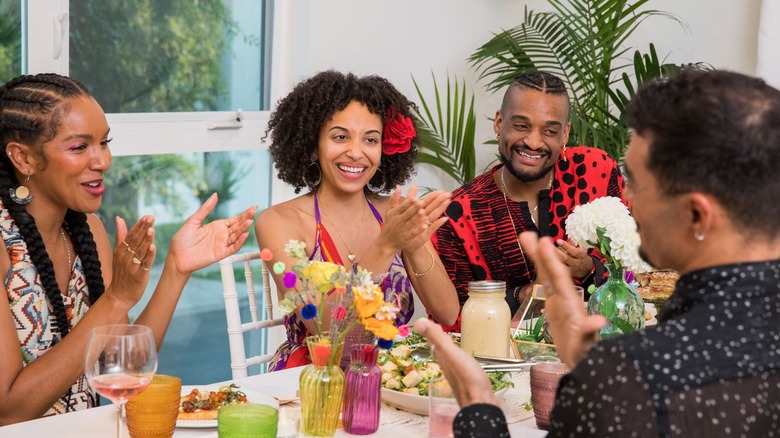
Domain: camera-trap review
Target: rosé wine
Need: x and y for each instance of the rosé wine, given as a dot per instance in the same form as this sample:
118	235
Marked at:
119	387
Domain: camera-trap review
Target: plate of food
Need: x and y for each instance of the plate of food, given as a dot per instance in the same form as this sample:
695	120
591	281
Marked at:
199	405
406	376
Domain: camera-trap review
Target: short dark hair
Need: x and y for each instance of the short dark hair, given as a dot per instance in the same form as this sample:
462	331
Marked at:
540	81
298	118
715	132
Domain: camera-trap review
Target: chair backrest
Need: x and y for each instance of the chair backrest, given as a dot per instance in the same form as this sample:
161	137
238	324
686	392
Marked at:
239	362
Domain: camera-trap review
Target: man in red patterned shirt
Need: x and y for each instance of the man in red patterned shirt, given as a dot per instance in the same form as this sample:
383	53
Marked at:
536	186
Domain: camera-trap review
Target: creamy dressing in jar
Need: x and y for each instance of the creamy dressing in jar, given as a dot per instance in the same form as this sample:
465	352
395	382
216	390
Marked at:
485	320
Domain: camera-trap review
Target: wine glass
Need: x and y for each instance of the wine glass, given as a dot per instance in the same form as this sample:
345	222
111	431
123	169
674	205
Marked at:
120	362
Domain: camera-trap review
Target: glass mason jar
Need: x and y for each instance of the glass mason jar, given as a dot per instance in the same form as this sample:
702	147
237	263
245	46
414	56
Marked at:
619	302
322	387
362	398
485	320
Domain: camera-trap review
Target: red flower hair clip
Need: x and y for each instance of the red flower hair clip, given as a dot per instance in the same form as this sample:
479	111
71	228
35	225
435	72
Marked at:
398	135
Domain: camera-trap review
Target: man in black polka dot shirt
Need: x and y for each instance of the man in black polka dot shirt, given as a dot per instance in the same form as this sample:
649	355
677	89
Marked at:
702	181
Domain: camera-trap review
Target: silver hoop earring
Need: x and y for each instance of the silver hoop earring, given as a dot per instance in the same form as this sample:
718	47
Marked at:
315	184
376	189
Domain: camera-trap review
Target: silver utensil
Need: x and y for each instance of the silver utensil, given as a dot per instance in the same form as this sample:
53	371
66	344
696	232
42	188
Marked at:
497	359
506	366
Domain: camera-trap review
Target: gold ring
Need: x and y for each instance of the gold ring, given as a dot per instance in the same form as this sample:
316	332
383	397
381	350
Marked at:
136	261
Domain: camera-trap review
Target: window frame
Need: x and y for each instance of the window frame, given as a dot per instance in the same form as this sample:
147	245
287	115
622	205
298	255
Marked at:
45	48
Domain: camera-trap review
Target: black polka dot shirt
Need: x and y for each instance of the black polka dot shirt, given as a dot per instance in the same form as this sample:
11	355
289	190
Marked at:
711	367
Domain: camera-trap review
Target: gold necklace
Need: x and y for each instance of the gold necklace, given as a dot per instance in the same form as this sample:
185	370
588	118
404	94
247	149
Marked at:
351	256
514	229
67	247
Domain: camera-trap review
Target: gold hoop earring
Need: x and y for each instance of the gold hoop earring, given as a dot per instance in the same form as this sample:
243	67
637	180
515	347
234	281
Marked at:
21	195
563	152
498	137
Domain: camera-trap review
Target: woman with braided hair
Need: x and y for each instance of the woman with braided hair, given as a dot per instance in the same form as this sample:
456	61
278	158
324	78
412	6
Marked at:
61	276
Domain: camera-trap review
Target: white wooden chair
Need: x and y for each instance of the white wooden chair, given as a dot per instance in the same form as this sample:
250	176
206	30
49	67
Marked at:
239	362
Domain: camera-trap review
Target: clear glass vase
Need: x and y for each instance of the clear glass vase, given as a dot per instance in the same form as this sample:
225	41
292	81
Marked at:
619	302
362	399
322	387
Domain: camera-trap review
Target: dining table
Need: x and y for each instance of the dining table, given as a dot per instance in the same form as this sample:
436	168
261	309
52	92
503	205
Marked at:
283	385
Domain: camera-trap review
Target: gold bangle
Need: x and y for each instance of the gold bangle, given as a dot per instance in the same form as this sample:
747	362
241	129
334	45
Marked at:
433	262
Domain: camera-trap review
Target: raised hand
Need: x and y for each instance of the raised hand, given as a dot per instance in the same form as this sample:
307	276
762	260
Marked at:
573	330
196	245
134	254
410	222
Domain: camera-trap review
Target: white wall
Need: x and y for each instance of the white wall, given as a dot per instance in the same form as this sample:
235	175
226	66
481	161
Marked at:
406	38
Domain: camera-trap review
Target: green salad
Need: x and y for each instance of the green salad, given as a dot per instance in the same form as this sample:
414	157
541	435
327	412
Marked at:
401	372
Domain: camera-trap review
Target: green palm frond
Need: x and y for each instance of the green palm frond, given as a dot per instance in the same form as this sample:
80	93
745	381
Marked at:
447	129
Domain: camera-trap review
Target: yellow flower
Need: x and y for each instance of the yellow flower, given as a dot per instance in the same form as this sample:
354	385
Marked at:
368	300
384	329
321	275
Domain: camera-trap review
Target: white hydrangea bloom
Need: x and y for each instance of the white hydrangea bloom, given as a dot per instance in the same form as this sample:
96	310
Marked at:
612	217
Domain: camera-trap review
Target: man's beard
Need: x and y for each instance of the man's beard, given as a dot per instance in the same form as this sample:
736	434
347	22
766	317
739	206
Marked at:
524	176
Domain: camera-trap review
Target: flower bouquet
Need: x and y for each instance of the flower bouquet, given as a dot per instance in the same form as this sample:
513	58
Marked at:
607	225
352	297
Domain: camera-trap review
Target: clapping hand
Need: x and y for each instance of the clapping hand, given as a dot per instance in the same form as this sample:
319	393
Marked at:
410	222
134	254
573	330
196	245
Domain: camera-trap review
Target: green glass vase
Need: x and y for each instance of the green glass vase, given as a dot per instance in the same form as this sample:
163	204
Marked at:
619	302
322	387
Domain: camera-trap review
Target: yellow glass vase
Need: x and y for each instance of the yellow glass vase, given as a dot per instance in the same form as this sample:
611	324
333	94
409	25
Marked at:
322	387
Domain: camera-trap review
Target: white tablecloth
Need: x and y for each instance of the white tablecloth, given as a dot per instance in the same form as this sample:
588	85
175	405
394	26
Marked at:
101	422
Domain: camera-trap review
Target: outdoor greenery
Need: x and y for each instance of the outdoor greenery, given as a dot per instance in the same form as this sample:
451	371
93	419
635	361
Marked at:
184	72
10	41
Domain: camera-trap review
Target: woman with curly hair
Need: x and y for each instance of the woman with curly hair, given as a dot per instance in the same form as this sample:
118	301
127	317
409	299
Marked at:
61	277
347	140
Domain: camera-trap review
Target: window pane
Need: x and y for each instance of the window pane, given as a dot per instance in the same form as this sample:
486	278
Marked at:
171	187
172	55
10	40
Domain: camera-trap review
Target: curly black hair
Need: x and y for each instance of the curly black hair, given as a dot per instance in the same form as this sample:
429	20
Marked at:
298	118
31	110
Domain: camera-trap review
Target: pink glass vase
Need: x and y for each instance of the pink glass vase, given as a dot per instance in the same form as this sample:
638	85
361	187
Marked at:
362	397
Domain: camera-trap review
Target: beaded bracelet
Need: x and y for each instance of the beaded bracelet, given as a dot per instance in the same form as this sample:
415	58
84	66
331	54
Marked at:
433	262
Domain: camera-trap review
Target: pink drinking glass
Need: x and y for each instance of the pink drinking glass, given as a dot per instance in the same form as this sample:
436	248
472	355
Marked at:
545	377
120	363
